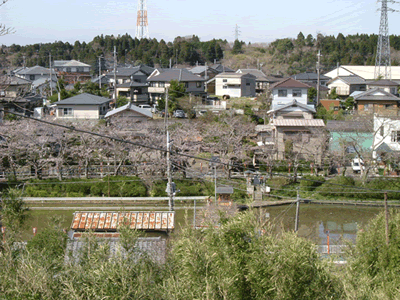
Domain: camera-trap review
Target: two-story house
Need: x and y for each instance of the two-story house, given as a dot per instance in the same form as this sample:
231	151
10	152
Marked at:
235	85
35	73
346	85
138	73
73	71
386	85
289	100
262	82
296	133
136	92
160	80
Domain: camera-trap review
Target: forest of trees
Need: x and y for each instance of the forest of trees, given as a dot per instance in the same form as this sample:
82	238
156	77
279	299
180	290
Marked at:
288	56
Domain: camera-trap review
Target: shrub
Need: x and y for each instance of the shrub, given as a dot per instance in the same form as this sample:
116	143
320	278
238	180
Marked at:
309	182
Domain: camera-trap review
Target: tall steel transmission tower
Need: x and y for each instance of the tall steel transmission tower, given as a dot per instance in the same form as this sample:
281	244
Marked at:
237	32
142	25
382	60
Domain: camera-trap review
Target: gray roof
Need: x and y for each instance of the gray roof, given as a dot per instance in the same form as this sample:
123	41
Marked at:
224	190
15	81
309	76
84	99
36	70
220	68
69	63
294	103
167	75
202	69
371	95
349	126
132	84
143	111
234	75
354	79
383	82
105	79
42	80
260	76
129	71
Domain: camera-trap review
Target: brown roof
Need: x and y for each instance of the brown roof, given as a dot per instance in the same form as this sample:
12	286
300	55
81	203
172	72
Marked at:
290	83
111	221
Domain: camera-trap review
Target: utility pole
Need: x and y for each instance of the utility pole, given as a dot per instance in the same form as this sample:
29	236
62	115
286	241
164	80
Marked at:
386	220
115	75
318	71
170	189
205	76
296	224
51	76
100	57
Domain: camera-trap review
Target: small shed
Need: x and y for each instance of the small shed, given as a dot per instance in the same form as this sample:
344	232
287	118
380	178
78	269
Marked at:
224	195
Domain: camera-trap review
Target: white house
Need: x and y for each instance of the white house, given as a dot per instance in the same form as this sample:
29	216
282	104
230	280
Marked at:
289	100
235	85
386	135
365	72
83	106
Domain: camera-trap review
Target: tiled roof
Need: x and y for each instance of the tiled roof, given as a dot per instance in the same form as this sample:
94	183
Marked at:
383	82
299	122
220	68
69	63
143	111
201	69
376	94
309	76
167	75
84	99
290	83
258	73
349	126
36	70
234	75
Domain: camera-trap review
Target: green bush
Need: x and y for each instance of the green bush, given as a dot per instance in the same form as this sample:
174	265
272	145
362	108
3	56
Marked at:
310	183
339	186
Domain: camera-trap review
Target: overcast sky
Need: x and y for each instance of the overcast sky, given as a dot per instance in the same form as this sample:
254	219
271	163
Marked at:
37	21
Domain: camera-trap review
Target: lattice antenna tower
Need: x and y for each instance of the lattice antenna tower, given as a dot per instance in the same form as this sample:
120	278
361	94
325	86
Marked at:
382	60
237	32
142	25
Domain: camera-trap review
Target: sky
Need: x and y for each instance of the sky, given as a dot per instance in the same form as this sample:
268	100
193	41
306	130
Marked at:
44	21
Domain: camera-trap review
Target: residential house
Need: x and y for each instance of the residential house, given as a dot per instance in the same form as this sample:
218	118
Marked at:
377	101
235	85
386	142
262	82
83	106
35	73
365	72
208	74
348	136
104	80
346	85
160	80
138	73
134	91
12	87
386	85
330	104
43	85
289	100
130	112
300	139
73	71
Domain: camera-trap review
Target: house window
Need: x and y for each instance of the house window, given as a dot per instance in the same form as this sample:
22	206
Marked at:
296	93
31	77
69	70
68	111
363	88
366	107
161	84
198	84
152	84
393	91
248	83
388	106
186	84
224	80
225	87
395	137
282	93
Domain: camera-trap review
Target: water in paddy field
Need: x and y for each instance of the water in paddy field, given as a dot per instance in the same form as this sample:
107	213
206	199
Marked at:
341	221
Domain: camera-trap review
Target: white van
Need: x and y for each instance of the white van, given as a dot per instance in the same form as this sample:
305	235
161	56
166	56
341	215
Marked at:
357	165
146	106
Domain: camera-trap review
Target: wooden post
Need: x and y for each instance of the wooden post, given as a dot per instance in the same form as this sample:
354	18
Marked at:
387	220
327	238
296	224
3	231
